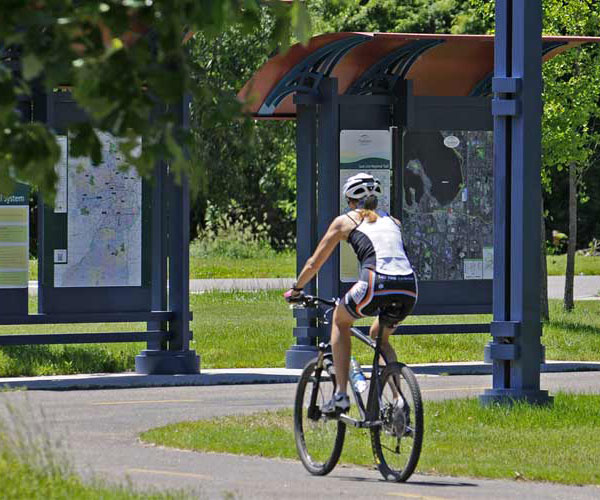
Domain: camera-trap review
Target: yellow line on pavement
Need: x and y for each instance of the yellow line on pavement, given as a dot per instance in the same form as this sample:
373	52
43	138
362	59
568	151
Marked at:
412	495
159	401
143	402
450	389
169	473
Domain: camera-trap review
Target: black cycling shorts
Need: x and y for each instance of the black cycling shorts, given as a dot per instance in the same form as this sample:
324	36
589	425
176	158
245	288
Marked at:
378	294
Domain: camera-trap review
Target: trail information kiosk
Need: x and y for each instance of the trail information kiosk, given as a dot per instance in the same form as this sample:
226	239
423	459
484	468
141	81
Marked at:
424	112
112	248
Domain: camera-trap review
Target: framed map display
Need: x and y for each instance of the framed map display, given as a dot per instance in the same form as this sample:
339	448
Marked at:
103	204
447	209
97	237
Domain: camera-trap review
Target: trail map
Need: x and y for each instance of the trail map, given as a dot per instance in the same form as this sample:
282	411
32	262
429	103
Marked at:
104	219
448	204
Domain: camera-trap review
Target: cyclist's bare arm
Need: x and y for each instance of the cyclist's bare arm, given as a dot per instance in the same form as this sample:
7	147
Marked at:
339	230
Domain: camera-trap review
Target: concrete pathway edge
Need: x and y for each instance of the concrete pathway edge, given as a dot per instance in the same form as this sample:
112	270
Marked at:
246	376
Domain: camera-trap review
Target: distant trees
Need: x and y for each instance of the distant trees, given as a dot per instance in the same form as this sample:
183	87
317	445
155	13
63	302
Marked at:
572	112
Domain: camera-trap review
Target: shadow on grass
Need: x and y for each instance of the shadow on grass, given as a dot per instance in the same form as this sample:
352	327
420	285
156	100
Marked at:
573	325
62	360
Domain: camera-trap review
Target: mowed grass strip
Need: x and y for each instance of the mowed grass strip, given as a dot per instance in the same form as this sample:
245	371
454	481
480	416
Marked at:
254	330
559	443
584	265
280	265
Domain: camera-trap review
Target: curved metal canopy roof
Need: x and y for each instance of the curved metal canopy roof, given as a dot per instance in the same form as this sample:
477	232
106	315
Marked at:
371	63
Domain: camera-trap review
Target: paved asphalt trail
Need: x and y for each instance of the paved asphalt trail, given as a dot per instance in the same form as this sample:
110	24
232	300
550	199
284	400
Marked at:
99	430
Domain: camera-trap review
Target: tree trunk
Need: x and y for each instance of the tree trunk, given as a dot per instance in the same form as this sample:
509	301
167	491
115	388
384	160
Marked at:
570	273
545	313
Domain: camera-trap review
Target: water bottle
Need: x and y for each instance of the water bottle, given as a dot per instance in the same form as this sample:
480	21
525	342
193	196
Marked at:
357	377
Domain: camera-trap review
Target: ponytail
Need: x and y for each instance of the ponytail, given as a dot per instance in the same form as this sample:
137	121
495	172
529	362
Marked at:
367	208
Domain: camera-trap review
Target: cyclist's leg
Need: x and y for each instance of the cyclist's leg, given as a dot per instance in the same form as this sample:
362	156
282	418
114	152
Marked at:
341	345
386	347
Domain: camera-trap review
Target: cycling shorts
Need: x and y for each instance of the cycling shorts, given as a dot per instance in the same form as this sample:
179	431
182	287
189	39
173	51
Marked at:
378	294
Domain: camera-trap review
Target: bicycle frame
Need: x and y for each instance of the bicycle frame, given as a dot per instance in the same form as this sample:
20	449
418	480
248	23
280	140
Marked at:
368	420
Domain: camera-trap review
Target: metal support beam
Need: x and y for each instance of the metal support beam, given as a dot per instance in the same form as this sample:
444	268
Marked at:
159	252
81	338
306	225
516	351
178	358
328	160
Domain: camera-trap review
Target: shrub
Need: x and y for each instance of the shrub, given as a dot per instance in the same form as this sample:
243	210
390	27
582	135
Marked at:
232	233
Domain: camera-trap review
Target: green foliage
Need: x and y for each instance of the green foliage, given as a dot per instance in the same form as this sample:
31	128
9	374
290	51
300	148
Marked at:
570	128
571	123
120	57
279	183
243	156
231	234
410	16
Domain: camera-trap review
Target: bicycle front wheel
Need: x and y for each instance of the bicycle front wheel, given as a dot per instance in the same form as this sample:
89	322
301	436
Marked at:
397	442
319	439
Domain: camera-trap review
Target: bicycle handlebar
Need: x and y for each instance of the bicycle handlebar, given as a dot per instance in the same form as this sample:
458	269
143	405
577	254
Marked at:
312	301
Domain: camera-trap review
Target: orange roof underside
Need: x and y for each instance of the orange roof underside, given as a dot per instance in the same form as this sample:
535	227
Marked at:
451	68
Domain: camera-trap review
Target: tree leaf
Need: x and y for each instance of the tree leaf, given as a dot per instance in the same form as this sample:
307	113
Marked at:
32	66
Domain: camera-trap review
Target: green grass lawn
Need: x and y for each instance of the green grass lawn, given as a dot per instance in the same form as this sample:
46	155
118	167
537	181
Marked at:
254	329
283	265
588	266
21	481
559	444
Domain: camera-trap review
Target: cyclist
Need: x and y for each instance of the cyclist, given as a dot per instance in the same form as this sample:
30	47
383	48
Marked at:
387	286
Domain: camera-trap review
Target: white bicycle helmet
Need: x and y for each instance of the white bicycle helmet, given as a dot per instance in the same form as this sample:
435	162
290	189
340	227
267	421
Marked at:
362	185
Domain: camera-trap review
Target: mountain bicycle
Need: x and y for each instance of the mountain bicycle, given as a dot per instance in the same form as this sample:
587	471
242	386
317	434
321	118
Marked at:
393	412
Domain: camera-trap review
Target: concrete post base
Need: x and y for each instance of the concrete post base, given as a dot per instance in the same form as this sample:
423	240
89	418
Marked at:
151	362
298	355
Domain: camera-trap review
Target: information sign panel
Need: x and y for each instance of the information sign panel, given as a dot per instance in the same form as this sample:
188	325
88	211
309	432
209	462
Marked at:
367	151
104	222
448	204
14	239
97	237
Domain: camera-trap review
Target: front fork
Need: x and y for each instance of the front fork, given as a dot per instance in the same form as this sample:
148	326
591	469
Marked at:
324	362
375	389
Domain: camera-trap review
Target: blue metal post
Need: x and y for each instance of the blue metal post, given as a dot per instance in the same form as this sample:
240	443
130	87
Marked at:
159	252
306	230
178	358
328	160
516	351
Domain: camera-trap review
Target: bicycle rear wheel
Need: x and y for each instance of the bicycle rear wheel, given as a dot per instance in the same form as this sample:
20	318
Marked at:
397	442
319	440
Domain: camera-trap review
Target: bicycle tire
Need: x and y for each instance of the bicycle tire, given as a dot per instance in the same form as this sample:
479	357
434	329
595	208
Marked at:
319	440
397	442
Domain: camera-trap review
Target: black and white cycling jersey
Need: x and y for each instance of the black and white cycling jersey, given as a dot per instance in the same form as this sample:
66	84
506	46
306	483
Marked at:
378	245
